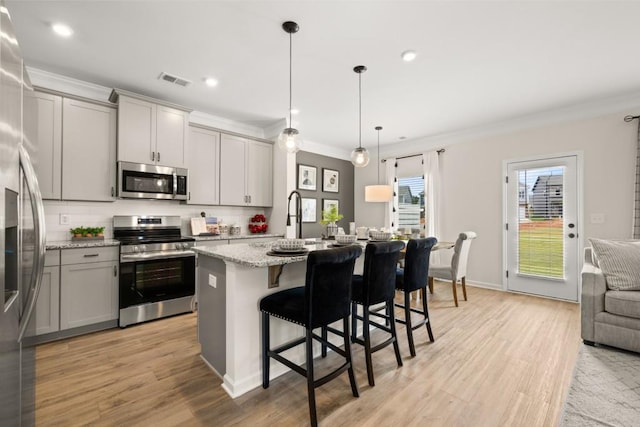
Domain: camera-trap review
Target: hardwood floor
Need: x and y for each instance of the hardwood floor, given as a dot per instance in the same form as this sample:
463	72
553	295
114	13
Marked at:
498	359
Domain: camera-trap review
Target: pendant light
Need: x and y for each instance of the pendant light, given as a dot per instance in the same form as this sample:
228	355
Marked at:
360	155
289	139
379	192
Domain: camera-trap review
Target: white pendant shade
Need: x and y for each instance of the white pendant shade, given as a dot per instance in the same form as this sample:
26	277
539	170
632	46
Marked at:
378	193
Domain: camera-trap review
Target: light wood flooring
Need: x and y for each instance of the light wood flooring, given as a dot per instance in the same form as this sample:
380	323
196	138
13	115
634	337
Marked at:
500	359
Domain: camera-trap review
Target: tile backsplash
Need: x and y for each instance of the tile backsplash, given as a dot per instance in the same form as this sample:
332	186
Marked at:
100	214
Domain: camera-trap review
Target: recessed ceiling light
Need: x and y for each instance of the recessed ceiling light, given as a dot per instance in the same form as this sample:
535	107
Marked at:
211	82
295	111
62	30
409	55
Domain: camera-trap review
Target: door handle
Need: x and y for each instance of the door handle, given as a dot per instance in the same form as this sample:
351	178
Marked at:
158	156
153	156
571	225
115	271
571	235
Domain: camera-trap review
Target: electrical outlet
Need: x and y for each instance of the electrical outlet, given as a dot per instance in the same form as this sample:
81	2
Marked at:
213	281
64	219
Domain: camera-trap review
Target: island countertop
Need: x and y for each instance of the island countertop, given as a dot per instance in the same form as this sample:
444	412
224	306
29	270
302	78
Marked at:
255	254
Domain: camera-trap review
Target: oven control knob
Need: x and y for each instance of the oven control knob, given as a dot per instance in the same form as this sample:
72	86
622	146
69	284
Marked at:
178	246
143	248
136	249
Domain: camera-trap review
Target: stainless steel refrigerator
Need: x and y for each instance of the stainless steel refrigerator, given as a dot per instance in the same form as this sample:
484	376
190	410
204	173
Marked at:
22	235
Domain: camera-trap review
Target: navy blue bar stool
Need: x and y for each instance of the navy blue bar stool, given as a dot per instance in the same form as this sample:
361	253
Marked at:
376	285
413	277
325	298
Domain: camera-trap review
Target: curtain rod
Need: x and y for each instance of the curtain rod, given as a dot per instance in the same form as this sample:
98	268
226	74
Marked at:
629	118
440	151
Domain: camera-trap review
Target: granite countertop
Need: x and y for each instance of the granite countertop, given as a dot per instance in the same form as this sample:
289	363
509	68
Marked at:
255	254
68	244
242	236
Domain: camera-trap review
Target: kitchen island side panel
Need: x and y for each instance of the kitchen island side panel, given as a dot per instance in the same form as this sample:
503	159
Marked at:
212	312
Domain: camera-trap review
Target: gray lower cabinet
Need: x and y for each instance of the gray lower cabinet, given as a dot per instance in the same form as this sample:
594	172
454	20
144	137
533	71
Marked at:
47	311
88	286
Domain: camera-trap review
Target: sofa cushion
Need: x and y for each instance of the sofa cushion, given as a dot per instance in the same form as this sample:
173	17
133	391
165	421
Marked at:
619	262
623	303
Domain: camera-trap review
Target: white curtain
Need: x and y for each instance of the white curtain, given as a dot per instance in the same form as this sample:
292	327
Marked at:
432	193
391	215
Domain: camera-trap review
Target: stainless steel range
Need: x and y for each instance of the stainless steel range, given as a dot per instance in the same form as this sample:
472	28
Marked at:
157	268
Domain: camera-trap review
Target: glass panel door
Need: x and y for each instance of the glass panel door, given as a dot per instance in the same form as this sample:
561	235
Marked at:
541	230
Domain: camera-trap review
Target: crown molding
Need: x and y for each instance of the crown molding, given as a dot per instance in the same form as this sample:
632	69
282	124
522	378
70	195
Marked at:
68	85
623	104
80	88
326	150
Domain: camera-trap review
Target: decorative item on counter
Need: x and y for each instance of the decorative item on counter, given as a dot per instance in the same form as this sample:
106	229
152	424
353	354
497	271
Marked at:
205	226
235	230
258	224
87	233
223	228
329	218
379	235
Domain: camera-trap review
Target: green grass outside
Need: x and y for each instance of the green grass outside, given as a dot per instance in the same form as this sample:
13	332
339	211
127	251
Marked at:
541	250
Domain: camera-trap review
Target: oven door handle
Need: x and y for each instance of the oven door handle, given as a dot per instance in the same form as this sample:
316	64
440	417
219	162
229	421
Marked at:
149	257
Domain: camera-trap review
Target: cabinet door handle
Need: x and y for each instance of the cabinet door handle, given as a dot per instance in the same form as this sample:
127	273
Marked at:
113	192
189	195
91	255
115	271
249	199
158	156
153	156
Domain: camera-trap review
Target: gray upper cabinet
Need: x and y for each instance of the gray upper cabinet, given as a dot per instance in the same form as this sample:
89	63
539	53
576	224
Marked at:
246	172
260	173
232	170
150	132
88	151
44	141
204	166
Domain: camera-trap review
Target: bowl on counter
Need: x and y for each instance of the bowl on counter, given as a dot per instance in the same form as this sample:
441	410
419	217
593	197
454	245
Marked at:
290	244
380	235
345	239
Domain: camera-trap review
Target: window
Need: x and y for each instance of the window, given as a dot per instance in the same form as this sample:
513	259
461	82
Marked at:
411	204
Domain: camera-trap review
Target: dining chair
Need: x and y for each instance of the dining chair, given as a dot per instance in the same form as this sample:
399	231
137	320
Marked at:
325	298
457	271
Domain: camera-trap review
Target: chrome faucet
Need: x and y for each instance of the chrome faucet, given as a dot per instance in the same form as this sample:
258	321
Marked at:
298	212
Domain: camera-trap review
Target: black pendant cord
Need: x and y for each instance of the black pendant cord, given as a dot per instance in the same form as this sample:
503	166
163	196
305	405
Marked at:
378	128
360	110
290	78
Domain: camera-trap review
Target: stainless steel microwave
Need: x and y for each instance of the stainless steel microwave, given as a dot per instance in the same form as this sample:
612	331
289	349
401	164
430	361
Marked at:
140	181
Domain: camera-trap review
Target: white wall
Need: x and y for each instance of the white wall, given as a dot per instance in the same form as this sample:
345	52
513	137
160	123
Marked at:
100	214
472	179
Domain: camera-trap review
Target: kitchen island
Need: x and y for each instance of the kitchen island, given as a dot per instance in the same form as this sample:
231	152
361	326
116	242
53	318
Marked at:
230	281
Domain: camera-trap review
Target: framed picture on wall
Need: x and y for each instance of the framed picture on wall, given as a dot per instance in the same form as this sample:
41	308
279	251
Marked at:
307	177
308	210
329	203
330	180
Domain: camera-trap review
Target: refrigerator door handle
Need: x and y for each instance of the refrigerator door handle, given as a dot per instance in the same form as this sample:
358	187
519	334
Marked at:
39	236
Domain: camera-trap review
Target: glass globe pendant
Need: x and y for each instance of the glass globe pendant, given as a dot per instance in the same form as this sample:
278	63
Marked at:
360	155
289	139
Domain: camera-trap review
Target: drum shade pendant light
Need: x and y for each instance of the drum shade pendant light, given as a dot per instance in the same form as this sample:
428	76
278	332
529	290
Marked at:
360	155
289	139
380	192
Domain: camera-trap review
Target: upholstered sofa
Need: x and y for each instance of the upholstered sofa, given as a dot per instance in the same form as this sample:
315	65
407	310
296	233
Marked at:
610	317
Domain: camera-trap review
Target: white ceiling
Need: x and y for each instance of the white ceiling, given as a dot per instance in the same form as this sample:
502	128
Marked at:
479	62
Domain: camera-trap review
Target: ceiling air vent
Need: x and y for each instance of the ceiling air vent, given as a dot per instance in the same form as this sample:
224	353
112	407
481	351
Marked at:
174	79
